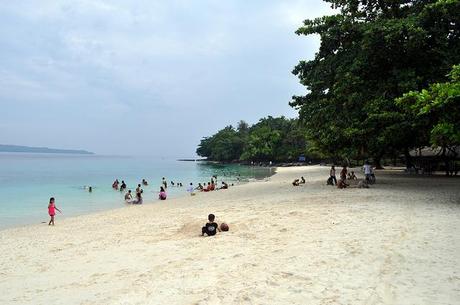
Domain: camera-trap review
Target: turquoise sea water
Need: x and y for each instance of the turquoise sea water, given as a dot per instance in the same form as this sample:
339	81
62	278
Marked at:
27	181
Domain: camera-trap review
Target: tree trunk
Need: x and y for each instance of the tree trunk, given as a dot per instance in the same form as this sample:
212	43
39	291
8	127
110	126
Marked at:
408	158
447	165
446	161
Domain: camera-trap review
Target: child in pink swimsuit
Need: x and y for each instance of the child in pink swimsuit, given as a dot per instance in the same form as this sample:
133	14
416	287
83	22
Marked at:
51	211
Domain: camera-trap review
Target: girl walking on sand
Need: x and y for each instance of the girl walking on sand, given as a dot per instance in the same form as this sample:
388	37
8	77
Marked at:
51	211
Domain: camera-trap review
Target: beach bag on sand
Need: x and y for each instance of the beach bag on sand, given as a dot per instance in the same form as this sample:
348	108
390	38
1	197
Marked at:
329	181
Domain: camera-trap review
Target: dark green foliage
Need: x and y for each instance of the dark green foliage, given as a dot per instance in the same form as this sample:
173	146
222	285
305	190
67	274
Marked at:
437	110
225	145
370	54
271	139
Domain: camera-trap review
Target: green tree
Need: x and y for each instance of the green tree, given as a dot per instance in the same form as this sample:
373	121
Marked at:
371	53
437	113
225	145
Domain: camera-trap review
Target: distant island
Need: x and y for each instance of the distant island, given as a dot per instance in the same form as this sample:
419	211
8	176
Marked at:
38	150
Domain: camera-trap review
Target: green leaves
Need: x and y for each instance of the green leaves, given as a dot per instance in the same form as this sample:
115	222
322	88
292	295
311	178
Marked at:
438	107
370	54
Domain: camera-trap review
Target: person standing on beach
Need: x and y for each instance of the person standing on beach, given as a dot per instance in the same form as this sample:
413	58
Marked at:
332	174
367	171
51	211
191	189
343	173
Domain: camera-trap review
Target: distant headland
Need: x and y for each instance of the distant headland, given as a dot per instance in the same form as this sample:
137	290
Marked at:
40	150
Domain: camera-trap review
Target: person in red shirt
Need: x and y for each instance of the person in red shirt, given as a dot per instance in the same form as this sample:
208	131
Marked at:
51	211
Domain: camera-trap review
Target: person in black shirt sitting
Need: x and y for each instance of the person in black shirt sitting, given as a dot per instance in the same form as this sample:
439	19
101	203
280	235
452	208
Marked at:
210	228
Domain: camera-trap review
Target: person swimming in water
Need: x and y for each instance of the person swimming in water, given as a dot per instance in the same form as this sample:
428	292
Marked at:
139	189
128	197
115	184
162	195
138	199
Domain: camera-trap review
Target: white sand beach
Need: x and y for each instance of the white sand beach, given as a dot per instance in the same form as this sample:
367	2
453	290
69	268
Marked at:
395	243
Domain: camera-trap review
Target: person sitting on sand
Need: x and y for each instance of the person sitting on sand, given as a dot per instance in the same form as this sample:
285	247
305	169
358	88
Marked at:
295	182
51	211
199	187
332	174
144	182
224	186
128	197
342	184
352	176
138	199
213	186
208	188
162	195
210	228
302	180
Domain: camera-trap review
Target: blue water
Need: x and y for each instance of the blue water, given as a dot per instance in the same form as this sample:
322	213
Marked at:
27	181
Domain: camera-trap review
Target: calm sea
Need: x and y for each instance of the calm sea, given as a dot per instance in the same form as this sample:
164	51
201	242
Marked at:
27	181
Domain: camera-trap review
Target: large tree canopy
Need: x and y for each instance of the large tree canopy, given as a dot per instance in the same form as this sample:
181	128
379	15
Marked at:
371	53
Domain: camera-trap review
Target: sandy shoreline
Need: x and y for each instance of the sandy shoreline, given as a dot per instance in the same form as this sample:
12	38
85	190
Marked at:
396	243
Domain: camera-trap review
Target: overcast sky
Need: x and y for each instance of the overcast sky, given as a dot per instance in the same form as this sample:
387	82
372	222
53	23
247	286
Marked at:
146	77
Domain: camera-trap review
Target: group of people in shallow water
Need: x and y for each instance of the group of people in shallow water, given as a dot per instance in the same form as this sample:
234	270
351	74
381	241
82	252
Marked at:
209	229
211	186
162	195
138	199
